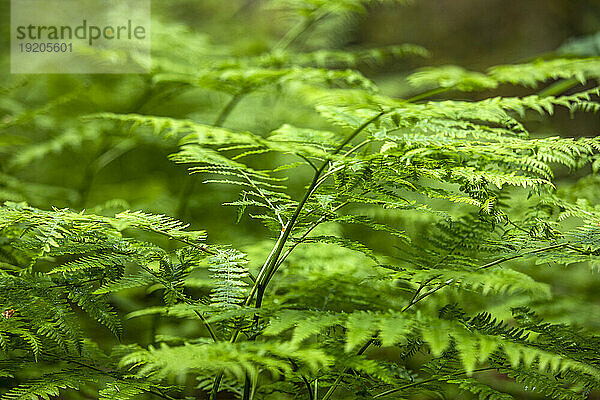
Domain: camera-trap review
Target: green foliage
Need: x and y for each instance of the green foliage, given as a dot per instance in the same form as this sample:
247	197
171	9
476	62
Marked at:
385	246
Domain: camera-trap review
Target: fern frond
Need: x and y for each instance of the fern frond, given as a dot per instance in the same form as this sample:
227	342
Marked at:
228	269
237	360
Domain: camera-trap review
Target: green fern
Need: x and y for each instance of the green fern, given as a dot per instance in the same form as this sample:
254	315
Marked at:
389	243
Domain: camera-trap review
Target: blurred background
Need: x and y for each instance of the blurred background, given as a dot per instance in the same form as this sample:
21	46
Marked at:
52	156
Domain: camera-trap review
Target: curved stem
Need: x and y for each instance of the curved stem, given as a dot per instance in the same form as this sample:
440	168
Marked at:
247	388
304	235
292	222
304	379
488	265
358	146
189	184
263	196
294	34
427	94
410	303
112	374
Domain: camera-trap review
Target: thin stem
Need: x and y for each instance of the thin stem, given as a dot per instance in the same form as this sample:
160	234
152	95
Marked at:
304	235
211	332
112	374
421	287
428	281
428	94
226	111
108	372
488	265
262	195
291	223
324	177
263	270
359	130
558	87
312	187
306	382
308	161
185	241
190	183
517	227
410	385
216	384
247	388
311	396
552	247
358	146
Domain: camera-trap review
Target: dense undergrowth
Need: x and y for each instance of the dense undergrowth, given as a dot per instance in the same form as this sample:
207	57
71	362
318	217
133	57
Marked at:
372	245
